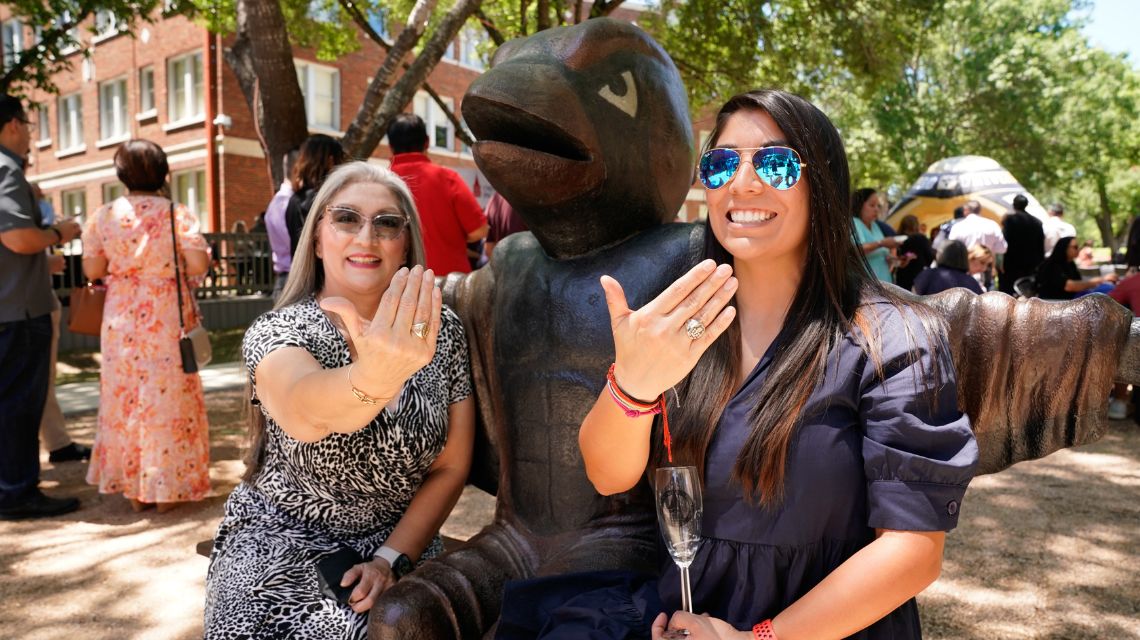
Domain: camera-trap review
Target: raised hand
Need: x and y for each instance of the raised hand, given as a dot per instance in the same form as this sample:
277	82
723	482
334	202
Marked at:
655	345
387	349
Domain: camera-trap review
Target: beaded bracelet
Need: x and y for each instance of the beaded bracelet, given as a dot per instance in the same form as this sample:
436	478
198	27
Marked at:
763	631
634	408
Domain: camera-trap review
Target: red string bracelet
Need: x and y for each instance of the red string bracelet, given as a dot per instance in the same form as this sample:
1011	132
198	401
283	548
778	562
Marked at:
763	631
633	408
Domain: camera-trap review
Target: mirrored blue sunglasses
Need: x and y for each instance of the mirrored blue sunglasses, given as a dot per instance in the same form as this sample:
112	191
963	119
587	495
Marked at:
779	167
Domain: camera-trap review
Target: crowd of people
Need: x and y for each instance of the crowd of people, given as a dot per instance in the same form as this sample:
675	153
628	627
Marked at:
1022	255
819	519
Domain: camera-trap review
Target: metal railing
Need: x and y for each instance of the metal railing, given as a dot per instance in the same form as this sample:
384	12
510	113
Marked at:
240	265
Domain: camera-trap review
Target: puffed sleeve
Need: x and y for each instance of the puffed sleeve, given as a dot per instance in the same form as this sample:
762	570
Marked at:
452	337
92	240
919	453
271	330
189	238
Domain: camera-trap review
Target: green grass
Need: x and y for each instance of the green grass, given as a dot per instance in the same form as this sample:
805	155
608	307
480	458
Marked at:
83	366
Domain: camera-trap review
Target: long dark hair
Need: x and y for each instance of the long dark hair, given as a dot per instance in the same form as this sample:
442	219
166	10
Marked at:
859	197
319	155
827	306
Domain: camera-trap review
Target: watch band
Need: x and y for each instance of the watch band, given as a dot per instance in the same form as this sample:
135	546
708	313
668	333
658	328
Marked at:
388	554
58	234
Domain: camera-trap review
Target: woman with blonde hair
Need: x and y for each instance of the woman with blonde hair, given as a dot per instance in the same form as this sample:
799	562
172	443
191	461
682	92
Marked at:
152	439
363	423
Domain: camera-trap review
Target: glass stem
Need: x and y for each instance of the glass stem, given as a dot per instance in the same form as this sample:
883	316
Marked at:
686	591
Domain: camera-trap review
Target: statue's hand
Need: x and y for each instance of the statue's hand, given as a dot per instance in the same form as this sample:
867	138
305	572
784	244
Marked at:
654	351
387	350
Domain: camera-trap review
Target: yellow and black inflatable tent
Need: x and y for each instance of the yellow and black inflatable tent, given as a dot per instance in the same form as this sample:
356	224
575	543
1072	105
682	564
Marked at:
951	182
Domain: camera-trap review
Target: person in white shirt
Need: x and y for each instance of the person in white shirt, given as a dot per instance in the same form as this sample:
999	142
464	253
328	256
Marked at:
1055	228
976	229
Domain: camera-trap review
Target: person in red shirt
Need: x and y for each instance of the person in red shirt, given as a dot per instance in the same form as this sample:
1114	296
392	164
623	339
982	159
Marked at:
450	215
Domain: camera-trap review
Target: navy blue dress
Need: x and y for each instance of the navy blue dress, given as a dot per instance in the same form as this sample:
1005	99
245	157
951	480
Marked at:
871	453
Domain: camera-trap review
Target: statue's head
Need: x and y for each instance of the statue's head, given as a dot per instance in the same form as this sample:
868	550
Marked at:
585	131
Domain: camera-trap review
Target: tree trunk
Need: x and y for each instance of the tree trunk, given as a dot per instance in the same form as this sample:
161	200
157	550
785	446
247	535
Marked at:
1104	216
262	60
542	23
402	92
355	138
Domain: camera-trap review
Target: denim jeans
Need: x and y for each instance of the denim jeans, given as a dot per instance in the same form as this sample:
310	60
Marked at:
25	356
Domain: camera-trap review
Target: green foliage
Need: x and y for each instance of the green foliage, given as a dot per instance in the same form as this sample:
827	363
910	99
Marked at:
50	50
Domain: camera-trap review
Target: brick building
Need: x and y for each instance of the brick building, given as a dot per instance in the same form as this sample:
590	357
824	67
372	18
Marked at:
170	84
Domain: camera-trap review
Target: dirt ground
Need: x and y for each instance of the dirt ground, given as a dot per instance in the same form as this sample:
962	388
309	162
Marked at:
1046	550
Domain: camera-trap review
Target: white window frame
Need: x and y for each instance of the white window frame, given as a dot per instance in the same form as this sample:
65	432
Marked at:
70	116
188	187
72	33
107	25
426	108
112	190
44	123
307	73
12	34
467	41
193	100
114	111
146	88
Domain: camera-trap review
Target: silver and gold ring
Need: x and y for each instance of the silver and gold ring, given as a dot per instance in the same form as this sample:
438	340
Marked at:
694	328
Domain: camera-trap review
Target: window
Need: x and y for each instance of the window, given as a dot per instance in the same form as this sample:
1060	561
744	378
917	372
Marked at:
71	42
107	23
70	122
378	20
113	190
44	124
74	203
189	188
12	35
185	94
321	86
146	92
439	128
468	43
113	110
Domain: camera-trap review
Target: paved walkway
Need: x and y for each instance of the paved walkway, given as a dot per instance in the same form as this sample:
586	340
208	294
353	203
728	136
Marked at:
79	397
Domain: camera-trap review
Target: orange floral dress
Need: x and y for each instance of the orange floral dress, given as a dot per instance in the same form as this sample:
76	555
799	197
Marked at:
152	441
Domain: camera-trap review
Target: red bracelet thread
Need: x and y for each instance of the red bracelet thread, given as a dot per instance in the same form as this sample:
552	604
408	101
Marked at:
634	408
763	631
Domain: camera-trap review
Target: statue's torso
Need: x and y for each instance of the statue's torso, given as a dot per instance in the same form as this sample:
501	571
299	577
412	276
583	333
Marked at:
553	344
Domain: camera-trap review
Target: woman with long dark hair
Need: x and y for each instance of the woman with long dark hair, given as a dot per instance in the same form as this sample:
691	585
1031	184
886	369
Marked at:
1058	277
819	407
319	155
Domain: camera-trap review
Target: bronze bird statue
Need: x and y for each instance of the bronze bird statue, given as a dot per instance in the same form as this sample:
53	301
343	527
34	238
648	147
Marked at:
585	131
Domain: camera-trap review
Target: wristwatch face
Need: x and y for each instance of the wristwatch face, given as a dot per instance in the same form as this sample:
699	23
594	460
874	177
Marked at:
402	566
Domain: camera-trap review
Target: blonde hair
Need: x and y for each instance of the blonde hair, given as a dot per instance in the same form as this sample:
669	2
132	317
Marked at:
307	276
982	253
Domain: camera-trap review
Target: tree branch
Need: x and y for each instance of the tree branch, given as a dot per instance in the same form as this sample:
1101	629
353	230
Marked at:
356	138
401	93
361	21
489	25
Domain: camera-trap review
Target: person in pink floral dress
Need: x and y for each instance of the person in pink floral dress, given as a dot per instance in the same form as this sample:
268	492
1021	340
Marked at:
151	443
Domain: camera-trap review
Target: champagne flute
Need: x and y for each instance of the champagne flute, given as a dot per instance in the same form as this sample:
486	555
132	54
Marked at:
679	511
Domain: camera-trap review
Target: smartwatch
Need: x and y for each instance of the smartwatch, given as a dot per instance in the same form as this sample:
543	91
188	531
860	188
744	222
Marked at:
401	565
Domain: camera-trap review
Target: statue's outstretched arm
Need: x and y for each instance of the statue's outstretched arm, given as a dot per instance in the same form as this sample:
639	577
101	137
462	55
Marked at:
1034	375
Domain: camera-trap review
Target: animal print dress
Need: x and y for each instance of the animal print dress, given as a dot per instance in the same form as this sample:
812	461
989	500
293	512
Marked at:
309	499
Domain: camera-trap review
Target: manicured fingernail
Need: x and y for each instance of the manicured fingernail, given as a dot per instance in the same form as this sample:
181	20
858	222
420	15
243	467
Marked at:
724	270
708	265
731	284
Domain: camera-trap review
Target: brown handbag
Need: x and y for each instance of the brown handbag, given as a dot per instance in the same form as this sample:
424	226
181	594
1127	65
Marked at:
86	316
